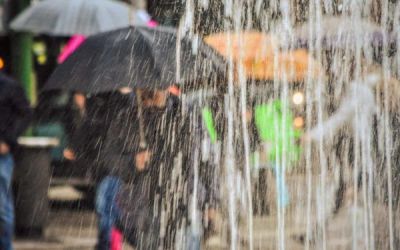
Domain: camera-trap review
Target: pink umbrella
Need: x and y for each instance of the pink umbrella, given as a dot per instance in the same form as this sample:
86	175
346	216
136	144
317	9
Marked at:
71	46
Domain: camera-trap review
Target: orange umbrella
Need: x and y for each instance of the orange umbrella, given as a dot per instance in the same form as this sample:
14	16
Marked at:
244	45
257	54
293	66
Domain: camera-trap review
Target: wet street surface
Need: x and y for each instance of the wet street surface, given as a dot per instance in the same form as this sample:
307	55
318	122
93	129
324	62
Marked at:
76	230
72	226
68	229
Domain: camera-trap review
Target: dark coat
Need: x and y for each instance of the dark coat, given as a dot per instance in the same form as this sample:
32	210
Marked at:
15	112
89	139
74	120
121	138
143	194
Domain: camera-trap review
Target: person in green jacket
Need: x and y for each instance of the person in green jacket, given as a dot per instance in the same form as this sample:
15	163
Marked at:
277	135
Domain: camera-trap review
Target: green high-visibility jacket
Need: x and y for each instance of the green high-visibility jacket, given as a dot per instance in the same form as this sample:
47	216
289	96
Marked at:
277	130
209	123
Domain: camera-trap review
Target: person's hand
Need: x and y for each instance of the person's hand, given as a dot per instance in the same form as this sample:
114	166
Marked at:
4	148
142	159
211	219
69	154
210	215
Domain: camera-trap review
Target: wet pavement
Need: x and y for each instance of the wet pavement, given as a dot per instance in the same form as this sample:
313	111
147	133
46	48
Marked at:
68	229
72	226
76	230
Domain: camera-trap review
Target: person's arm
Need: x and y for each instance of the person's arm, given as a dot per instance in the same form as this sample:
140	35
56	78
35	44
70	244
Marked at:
329	127
360	98
73	138
130	145
22	110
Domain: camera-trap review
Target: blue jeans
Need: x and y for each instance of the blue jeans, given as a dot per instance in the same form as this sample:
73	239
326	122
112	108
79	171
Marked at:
194	230
283	197
107	211
193	238
6	202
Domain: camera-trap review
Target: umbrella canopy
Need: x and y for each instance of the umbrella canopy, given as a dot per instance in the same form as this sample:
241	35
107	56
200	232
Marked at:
141	17
70	17
340	32
293	66
257	54
73	43
135	57
246	45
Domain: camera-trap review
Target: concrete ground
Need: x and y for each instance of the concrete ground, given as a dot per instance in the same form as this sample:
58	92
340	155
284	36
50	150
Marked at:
67	230
71	224
76	230
71	228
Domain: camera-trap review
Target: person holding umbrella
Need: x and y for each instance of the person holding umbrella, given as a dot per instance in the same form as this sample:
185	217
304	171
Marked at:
151	144
128	155
142	144
110	120
15	113
110	165
89	146
146	60
270	117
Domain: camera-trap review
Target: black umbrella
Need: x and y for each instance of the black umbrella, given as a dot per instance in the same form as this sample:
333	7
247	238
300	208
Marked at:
135	57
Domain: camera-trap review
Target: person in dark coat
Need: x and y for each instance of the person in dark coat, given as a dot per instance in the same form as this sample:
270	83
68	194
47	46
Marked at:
148	183
90	145
15	114
74	120
157	195
114	163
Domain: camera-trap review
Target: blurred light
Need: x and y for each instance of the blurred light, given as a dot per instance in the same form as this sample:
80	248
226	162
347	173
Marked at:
125	90
298	98
298	122
42	59
2	64
39	48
